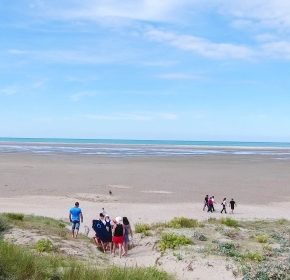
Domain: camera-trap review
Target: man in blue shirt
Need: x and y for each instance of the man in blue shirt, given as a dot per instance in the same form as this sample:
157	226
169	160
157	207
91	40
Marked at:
75	217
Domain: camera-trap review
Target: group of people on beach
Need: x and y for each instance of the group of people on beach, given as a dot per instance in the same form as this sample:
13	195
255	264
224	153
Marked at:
110	234
209	203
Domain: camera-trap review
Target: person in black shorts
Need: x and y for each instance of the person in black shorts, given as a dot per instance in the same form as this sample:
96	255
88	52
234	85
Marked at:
232	205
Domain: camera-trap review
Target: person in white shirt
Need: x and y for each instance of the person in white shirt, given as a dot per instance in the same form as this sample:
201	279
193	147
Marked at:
224	204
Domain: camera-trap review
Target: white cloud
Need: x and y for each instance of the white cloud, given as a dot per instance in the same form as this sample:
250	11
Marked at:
144	10
134	116
259	13
80	95
178	76
200	45
8	91
277	49
265	37
82	79
71	56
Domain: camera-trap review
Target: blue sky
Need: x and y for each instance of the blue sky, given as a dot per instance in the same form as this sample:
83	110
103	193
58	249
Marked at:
171	69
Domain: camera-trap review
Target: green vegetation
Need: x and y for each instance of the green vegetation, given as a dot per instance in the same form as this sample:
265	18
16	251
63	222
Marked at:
229	249
212	220
44	245
142	228
262	238
199	236
258	249
14	216
172	241
3	225
19	264
47	225
274	270
182	222
230	222
254	256
231	233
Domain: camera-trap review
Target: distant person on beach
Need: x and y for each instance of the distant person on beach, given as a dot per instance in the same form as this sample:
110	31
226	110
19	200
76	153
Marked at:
210	205
232	205
224	205
75	217
205	202
213	202
128	234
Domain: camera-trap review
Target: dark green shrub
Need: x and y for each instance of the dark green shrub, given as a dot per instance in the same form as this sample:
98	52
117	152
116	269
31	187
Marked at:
229	249
3	225
15	216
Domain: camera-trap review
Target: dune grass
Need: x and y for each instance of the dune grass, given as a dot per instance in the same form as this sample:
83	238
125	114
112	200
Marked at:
45	224
262	238
143	229
3	225
183	222
18	264
230	222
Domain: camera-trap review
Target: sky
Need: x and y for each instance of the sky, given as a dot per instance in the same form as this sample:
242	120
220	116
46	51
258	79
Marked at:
132	69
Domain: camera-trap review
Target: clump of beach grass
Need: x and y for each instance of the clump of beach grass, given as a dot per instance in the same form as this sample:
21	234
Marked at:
14	216
262	238
172	241
143	229
212	220
44	245
253	256
230	222
183	222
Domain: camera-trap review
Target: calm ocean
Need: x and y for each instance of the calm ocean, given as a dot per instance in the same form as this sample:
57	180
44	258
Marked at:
122	147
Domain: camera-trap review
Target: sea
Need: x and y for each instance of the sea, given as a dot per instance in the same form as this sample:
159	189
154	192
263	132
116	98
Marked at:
131	148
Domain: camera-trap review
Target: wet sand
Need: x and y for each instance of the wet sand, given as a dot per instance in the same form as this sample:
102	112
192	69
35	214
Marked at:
250	179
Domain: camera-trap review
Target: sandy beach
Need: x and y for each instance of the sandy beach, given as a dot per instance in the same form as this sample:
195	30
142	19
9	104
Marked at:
185	179
146	190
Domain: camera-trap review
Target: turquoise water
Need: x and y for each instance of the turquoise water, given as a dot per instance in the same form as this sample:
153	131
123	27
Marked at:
122	147
148	142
